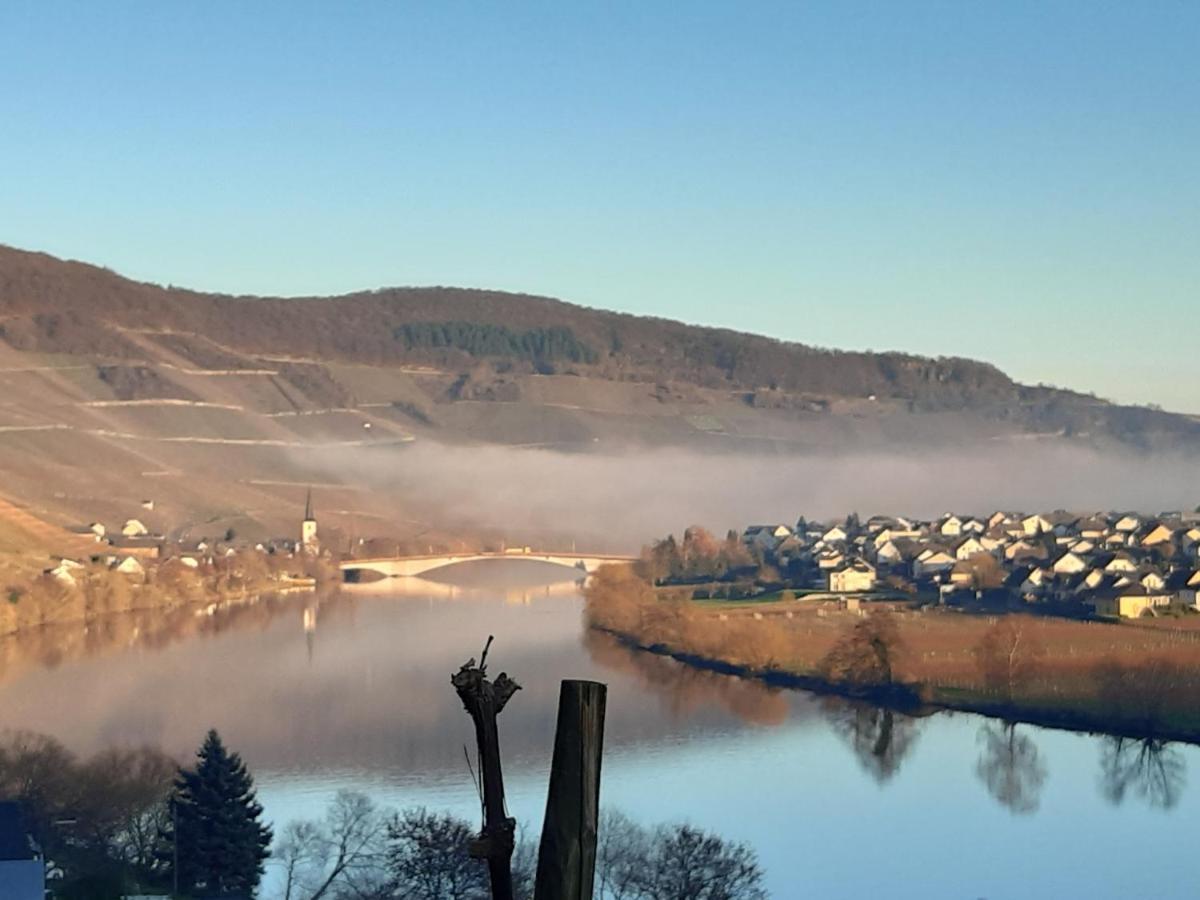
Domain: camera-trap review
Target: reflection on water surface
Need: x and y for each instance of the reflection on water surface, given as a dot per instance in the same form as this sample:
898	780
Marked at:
352	690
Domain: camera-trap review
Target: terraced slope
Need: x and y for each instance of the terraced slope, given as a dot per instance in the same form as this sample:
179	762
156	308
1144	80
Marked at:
222	410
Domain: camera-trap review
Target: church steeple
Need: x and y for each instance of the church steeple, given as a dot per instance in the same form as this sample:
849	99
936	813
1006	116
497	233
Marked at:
308	528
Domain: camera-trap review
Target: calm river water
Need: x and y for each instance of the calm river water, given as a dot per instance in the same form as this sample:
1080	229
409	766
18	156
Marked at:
353	691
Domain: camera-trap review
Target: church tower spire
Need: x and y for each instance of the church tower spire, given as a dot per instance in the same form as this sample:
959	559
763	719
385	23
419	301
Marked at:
308	528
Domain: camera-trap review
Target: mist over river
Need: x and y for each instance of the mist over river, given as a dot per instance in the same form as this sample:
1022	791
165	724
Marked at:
353	691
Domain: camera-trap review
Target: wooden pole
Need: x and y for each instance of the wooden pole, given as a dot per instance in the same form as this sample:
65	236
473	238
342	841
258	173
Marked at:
567	856
483	701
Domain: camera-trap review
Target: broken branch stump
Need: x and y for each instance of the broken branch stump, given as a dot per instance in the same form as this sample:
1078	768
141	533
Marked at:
483	701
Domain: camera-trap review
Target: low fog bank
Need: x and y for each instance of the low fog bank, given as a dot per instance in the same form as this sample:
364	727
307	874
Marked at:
621	501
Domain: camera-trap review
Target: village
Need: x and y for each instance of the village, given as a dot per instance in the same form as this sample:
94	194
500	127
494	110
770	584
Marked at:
132	548
1124	565
72	575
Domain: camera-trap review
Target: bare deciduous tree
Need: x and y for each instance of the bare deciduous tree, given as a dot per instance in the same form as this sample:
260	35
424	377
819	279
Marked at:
104	813
1009	655
38	771
689	864
867	654
617	599
298	854
1144	692
339	856
429	858
118	804
672	862
619	847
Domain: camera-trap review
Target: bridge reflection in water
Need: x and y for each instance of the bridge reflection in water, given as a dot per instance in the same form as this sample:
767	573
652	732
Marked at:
362	570
425	588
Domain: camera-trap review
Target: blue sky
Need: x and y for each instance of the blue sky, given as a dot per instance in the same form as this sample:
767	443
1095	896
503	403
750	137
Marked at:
1014	182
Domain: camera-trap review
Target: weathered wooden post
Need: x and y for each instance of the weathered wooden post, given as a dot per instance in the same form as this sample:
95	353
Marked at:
483	701
567	856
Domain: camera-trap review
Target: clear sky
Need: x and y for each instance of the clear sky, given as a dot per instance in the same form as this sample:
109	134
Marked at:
1018	182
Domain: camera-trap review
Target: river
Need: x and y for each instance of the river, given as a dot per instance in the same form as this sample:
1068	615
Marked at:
352	691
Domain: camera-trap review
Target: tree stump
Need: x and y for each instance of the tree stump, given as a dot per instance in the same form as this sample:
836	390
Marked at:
483	701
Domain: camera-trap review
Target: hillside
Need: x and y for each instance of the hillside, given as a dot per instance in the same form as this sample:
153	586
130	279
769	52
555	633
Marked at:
221	409
53	306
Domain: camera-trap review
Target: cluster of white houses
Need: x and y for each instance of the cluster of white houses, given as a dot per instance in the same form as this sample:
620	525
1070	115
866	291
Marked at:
1110	564
128	548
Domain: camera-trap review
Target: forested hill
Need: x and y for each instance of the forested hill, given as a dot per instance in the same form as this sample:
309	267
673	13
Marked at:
54	306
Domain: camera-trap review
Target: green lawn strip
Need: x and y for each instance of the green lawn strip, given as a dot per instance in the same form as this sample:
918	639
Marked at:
724	603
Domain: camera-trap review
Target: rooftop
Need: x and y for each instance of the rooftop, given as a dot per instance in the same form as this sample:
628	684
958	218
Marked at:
15	842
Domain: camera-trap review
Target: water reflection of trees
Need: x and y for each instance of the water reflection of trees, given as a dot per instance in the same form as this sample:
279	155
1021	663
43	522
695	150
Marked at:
1010	767
685	689
879	737
1152	770
50	646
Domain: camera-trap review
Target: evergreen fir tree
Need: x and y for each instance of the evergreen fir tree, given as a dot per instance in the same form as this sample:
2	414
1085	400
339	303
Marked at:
221	842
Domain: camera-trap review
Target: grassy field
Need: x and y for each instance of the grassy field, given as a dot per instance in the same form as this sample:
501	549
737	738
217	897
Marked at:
739	607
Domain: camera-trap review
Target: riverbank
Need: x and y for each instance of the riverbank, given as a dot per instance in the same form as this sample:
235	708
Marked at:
1120	679
920	700
81	594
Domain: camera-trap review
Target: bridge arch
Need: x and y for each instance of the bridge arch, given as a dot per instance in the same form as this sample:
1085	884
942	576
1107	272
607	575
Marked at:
407	566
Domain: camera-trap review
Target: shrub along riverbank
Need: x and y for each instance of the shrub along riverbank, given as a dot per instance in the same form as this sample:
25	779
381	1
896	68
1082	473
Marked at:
1120	678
